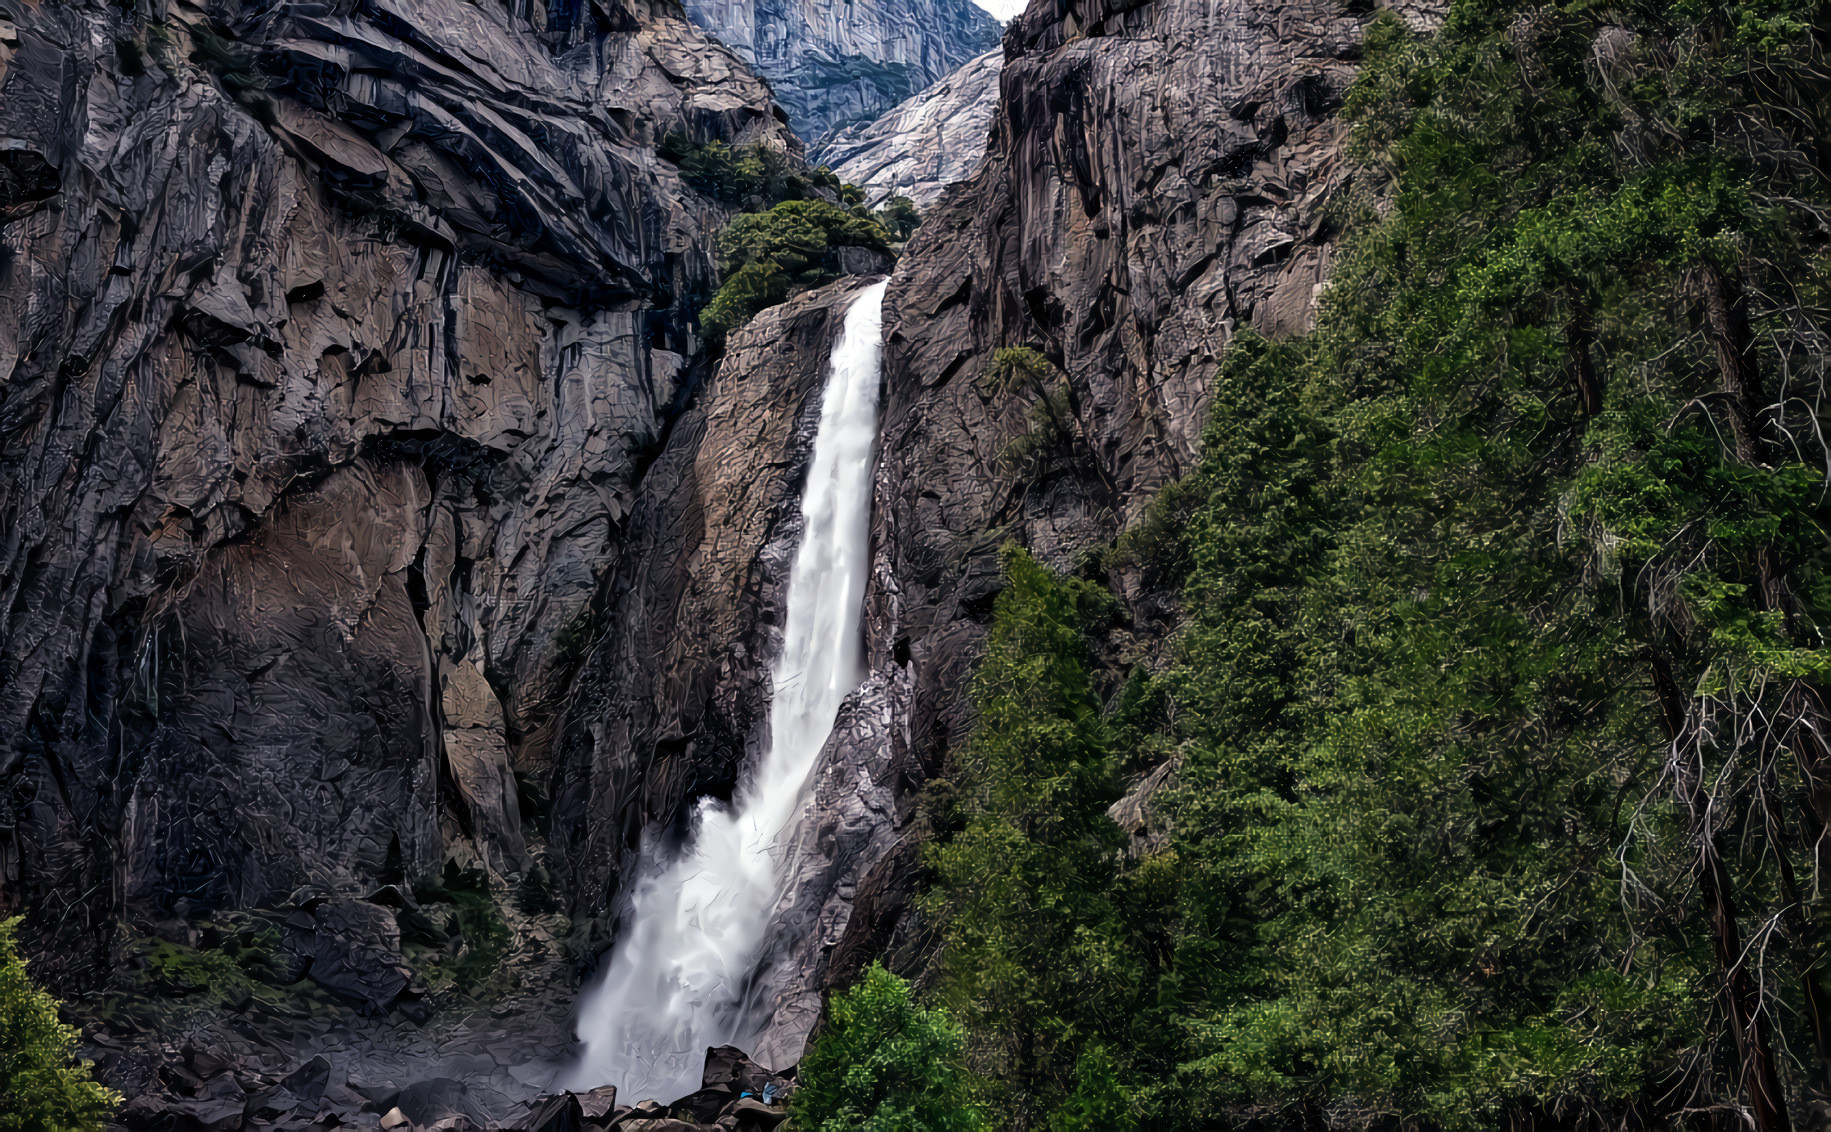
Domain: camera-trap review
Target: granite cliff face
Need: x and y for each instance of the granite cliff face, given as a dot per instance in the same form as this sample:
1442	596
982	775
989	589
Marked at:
333	341
923	144
836	63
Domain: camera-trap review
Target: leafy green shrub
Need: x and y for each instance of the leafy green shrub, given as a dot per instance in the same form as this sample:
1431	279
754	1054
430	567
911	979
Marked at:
883	1064
1016	368
227	969
42	1086
1052	434
1099	1103
767	257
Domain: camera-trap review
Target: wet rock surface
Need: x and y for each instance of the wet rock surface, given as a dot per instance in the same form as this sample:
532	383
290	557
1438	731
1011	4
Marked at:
675	697
203	1093
837	63
923	144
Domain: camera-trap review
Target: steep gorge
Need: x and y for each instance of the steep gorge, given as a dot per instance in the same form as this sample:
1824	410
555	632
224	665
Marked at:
365	486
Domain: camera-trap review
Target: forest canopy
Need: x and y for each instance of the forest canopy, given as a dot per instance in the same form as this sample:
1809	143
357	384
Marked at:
1485	775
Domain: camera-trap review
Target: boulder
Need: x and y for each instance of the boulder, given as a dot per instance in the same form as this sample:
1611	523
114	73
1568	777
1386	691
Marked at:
219	1105
705	1105
354	948
427	1102
728	1067
599	1104
309	1080
560	1113
752	1115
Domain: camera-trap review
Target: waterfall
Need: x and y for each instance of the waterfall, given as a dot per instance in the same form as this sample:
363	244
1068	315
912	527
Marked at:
675	980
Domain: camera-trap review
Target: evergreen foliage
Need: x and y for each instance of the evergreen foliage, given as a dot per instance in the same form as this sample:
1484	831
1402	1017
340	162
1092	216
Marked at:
883	1064
474	917
1496	708
900	217
42	1087
795	221
1034	943
754	177
766	257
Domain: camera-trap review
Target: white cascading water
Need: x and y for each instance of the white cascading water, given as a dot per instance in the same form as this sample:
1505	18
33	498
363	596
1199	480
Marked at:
676	980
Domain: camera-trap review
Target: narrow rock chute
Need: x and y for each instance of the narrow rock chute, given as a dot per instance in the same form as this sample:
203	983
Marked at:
696	920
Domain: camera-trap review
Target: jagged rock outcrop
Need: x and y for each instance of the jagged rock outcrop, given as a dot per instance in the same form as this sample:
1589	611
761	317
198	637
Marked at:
923	144
836	63
861	786
1157	179
675	697
333	341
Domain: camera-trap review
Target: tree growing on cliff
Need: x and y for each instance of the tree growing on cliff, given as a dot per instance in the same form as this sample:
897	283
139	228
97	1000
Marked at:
883	1064
899	215
768	257
1027	897
42	1086
754	176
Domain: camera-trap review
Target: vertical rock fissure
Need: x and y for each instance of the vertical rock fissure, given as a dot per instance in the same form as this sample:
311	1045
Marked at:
696	918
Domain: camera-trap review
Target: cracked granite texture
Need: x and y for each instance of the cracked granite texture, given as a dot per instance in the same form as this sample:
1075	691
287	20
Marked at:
334	339
923	144
838	63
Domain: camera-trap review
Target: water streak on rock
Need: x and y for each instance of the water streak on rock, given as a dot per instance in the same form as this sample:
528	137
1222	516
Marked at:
697	918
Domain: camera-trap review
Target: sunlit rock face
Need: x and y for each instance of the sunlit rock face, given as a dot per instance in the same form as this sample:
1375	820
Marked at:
333	341
837	63
923	144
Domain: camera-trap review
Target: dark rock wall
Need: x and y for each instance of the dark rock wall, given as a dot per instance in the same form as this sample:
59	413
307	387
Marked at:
333	341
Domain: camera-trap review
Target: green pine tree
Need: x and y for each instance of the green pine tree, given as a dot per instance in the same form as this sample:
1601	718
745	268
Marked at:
43	1088
883	1064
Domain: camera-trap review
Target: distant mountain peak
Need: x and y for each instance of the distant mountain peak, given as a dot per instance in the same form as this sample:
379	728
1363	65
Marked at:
924	143
840	63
